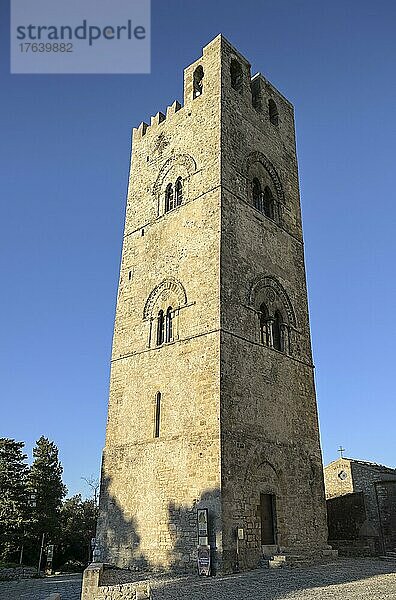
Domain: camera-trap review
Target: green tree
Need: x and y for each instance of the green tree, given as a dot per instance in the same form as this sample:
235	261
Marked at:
45	481
13	497
78	525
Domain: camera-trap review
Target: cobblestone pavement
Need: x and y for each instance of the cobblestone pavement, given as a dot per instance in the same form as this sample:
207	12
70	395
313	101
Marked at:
345	579
68	586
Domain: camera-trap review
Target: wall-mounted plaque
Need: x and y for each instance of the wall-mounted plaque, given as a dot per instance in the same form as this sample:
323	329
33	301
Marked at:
202	518
204	560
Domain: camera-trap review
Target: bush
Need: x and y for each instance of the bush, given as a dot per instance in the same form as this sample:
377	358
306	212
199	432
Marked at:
72	566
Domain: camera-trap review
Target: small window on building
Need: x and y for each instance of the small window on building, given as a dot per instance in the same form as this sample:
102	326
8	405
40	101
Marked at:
257	194
157	420
264	325
273	112
256	94
236	75
277	331
169	325
169	199
178	191
198	81
268	203
160	328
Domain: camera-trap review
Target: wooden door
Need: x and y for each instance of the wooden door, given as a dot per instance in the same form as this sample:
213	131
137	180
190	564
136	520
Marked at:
267	519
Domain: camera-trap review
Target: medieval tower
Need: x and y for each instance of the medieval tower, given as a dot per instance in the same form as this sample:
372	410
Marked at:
212	399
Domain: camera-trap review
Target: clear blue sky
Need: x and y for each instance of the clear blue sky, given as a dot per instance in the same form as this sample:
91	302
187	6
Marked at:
64	160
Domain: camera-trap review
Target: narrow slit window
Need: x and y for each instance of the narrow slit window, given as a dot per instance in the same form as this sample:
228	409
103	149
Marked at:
277	331
264	325
169	325
169	200
256	193
198	81
236	75
157	415
256	94
268	203
273	112
160	328
178	191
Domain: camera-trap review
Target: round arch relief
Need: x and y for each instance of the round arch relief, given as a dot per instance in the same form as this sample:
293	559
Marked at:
259	157
169	288
182	165
269	289
260	472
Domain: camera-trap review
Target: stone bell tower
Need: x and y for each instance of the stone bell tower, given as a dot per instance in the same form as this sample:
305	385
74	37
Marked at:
212	399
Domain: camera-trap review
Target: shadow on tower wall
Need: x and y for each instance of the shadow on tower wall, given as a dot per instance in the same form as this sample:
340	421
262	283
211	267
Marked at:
183	531
118	539
174	545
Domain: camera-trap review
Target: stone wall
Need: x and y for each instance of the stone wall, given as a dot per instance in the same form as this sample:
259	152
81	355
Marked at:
270	436
94	586
13	573
386	499
346	514
338	478
367	478
152	487
377	484
238	417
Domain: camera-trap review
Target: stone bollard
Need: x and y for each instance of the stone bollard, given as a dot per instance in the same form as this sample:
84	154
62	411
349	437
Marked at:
91	581
143	592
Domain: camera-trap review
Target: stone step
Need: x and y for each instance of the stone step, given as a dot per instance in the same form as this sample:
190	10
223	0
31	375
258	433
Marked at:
276	561
280	559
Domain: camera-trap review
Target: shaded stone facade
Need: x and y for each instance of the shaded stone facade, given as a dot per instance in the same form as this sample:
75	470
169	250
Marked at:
349	482
212	398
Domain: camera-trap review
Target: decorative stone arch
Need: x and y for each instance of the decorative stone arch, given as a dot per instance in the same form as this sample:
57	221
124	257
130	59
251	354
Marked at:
168	289
272	201
168	297
259	463
259	157
266	290
181	165
261	476
260	291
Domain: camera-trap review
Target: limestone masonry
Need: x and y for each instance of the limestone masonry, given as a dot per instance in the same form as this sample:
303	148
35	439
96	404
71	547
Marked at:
212	399
361	504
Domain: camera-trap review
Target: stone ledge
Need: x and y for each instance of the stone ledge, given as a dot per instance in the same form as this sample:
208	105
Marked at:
93	588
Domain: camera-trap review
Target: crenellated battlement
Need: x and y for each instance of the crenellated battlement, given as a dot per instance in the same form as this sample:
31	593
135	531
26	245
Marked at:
156	120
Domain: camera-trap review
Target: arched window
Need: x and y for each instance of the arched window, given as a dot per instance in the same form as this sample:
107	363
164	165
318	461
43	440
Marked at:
157	419
160	328
169	200
178	191
236	75
256	94
198	81
256	193
273	112
268	203
169	325
264	325
277	331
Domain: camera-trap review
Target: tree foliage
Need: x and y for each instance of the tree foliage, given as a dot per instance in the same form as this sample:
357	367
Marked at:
78	524
45	480
32	504
13	496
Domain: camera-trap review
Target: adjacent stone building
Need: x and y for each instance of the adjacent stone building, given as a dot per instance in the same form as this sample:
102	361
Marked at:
361	505
212	399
